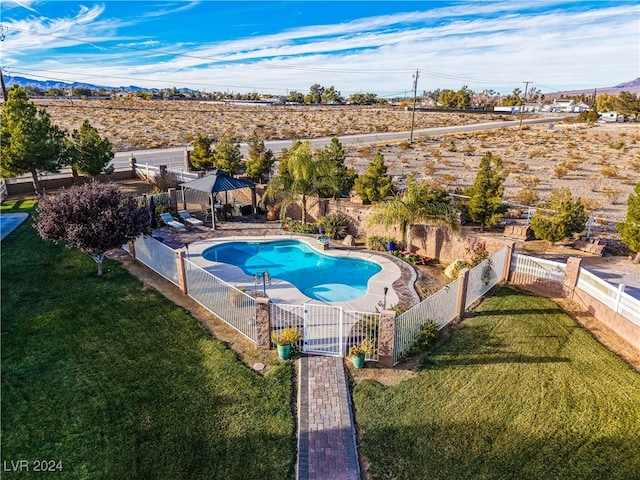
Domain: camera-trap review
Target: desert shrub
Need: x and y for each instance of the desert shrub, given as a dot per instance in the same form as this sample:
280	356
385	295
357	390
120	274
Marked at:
528	181
560	170
164	182
609	171
619	145
335	225
634	164
452	147
590	204
436	153
612	193
527	196
429	167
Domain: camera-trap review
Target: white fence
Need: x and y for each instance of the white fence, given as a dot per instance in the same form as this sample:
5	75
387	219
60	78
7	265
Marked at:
440	308
614	298
225	301
158	257
538	268
327	329
484	276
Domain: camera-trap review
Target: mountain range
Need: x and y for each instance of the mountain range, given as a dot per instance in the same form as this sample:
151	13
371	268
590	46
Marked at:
632	86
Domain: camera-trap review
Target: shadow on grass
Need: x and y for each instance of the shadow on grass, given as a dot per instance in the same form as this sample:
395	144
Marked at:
496	450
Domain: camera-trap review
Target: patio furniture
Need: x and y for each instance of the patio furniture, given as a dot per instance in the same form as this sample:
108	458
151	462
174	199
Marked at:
188	219
169	220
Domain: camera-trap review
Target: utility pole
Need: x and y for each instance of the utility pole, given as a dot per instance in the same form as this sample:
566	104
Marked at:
413	112
4	88
526	86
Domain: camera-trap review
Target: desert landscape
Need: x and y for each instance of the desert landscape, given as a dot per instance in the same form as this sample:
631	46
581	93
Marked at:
599	163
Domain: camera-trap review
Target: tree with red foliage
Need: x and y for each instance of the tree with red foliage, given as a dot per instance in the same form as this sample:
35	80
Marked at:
94	217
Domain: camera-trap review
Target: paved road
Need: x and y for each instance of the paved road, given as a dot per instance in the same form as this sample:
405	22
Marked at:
174	157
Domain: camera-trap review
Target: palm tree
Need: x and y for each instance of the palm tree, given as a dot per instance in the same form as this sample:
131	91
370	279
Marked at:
297	176
417	204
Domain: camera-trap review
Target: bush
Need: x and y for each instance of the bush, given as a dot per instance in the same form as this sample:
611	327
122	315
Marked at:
335	225
296	226
427	335
377	243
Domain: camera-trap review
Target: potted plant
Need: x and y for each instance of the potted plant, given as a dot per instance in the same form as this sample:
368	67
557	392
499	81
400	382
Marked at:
283	340
391	244
359	352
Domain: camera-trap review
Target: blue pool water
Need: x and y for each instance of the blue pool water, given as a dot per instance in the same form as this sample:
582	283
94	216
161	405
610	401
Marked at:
10	221
322	277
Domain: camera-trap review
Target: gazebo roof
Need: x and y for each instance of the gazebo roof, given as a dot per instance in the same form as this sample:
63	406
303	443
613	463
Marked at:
219	181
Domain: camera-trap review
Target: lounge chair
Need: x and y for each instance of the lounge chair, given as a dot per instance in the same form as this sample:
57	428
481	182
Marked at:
188	219
169	220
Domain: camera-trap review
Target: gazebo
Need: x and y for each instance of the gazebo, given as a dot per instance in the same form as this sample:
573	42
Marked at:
214	183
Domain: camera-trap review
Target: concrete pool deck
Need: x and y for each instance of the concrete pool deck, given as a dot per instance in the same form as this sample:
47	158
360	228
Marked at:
281	291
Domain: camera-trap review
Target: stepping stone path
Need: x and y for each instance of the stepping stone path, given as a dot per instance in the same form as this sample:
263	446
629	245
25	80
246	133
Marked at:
326	435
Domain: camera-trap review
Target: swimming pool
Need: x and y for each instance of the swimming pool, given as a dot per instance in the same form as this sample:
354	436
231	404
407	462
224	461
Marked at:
318	276
10	221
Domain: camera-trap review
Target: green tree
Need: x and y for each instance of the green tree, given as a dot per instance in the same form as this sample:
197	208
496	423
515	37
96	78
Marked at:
375	183
260	158
513	99
331	95
485	205
90	153
30	142
201	156
630	228
315	94
227	155
563	218
418	203
336	178
606	103
297	178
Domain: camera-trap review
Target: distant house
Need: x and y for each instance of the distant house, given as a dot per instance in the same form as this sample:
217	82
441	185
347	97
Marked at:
510	109
568	106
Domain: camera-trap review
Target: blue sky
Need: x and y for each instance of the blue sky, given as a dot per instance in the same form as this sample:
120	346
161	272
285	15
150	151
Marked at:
368	46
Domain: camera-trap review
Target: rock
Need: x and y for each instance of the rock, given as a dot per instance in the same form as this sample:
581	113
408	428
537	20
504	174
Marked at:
258	367
349	241
449	271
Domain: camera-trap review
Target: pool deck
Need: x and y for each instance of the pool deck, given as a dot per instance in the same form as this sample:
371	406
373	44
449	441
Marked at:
396	274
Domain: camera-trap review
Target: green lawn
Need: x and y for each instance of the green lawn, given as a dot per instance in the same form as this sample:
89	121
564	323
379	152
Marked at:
521	392
117	382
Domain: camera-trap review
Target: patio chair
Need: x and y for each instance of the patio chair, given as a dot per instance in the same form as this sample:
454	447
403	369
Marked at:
188	219
169	220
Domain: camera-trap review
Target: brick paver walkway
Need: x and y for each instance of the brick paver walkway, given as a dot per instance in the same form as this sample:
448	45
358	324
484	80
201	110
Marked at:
326	436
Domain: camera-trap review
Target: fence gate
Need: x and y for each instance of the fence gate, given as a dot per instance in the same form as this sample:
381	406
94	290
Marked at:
323	330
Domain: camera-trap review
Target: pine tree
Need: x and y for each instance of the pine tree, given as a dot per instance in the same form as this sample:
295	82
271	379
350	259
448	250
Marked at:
30	142
90	153
227	155
564	217
201	157
485	205
375	183
260	158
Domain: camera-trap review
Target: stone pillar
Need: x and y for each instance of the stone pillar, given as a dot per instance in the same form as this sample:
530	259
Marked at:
462	292
182	272
163	170
173	198
571	275
132	249
507	261
386	338
263	323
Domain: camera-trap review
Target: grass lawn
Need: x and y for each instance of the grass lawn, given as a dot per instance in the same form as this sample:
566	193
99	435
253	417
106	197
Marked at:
520	392
116	382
